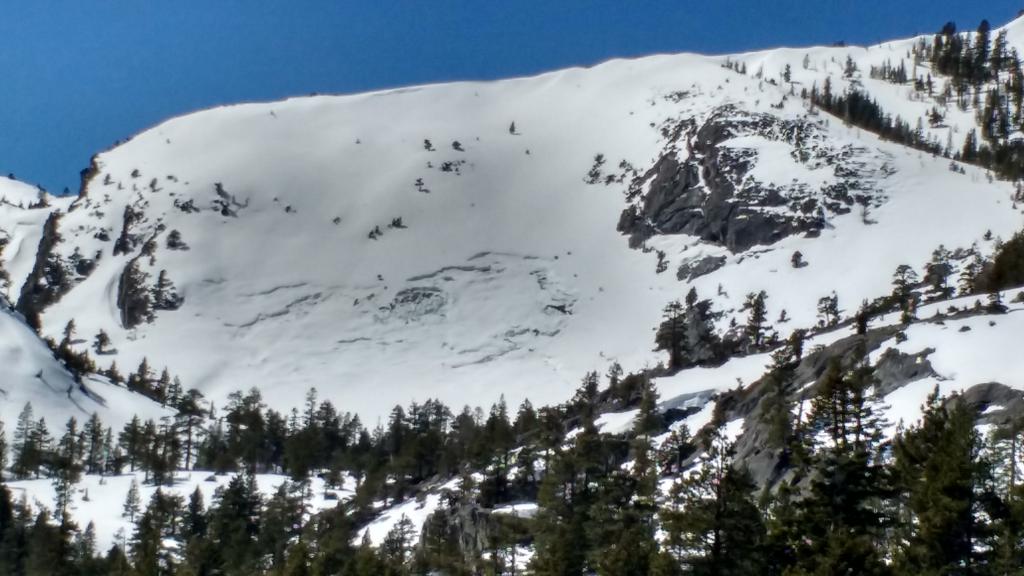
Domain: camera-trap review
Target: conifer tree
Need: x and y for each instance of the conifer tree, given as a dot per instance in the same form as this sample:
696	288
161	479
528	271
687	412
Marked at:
132	502
942	483
712	525
3	450
34	447
671	336
396	549
903	283
937	271
67	470
567	494
233	525
757	317
132	442
25	451
842	515
93	445
165	295
622	526
133	296
969	272
828	311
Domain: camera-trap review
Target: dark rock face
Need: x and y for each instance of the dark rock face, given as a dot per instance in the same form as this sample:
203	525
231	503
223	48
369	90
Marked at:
895	370
709	194
998	404
49	279
706	265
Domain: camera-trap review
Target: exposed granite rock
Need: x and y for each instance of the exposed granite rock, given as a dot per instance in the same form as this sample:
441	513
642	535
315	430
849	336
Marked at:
895	369
695	269
708	191
997	404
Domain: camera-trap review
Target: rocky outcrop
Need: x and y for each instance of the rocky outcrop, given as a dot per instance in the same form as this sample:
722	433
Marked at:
49	278
462	527
708	191
696	268
895	370
997	404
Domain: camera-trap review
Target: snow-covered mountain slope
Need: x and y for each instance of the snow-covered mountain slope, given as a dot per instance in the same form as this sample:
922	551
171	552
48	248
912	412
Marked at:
29	374
460	241
21	228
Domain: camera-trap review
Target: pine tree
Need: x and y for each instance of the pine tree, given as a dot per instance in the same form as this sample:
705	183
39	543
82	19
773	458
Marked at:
903	283
3	450
969	272
396	549
161	387
69	335
567	493
132	502
671	335
982	46
842	515
712	526
775	408
155	539
281	520
132	443
937	271
141	380
621	527
969	153
676	450
500	438
36	449
165	295
189	421
942	482
233	524
133	296
828	311
25	452
92	445
757	317
1004	450
66	470
995	303
648	420
114	374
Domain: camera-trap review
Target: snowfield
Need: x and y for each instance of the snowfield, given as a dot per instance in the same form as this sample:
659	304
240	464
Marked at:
505	273
29	374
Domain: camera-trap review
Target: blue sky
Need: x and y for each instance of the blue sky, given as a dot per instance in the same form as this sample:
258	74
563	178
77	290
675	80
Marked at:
77	75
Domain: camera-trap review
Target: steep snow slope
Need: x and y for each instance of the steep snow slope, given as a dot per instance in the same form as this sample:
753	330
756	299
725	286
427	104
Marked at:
505	273
29	374
21	228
